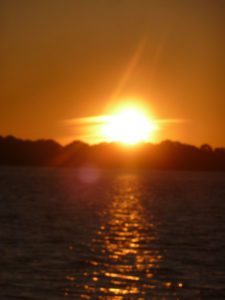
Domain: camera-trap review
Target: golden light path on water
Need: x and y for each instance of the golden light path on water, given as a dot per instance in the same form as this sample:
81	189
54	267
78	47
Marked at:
125	252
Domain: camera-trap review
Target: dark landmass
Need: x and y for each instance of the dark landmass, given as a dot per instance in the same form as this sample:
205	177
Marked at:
167	155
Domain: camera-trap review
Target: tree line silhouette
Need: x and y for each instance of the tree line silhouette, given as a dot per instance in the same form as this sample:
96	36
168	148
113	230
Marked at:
165	155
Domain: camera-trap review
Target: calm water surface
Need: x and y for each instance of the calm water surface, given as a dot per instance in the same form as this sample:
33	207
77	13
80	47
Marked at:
92	234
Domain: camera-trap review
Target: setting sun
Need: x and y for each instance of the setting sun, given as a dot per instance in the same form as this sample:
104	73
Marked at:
129	127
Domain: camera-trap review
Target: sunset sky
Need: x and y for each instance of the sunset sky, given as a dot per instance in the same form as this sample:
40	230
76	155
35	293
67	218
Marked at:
74	59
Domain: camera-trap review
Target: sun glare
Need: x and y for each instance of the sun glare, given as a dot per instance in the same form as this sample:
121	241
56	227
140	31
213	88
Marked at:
129	127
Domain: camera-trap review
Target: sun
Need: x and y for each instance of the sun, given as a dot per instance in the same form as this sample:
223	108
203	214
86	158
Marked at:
130	126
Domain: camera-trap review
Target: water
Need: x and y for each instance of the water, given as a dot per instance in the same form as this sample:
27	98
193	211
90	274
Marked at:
92	234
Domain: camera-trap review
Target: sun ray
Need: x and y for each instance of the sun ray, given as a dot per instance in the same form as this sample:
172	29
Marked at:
129	125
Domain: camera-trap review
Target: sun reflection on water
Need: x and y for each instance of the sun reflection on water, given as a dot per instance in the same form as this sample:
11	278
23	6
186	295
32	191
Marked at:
124	250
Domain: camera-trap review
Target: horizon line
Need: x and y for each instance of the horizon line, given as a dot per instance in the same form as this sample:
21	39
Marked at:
107	142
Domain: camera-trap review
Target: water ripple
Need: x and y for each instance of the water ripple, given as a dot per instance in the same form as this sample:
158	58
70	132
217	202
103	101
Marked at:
125	256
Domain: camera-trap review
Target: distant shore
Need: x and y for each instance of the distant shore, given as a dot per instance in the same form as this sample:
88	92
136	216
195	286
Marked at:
167	155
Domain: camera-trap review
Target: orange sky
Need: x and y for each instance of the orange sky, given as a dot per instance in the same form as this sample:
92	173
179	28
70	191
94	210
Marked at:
62	60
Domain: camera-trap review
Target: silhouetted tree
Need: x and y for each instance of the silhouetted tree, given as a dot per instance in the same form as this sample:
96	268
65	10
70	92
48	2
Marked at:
206	148
166	155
